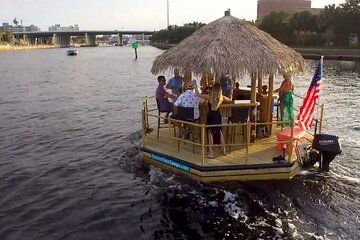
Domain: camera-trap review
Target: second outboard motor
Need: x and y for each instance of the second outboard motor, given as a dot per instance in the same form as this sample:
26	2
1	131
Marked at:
328	147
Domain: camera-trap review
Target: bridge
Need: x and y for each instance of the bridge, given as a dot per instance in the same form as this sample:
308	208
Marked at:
62	38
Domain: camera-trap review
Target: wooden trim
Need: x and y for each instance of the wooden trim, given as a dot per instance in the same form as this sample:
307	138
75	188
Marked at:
225	167
233	105
237	175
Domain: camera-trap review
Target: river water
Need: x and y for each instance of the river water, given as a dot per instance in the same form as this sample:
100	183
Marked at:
70	166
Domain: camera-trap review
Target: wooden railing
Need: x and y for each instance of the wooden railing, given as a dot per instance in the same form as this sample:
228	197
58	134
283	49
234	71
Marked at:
202	129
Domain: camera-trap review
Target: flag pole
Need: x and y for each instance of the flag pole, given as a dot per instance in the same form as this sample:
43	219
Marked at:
318	99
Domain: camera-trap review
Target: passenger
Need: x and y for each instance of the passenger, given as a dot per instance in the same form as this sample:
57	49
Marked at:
215	134
162	97
236	92
286	85
264	90
226	85
189	99
175	83
286	100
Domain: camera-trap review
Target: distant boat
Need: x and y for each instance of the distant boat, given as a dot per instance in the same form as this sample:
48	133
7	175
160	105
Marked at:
72	52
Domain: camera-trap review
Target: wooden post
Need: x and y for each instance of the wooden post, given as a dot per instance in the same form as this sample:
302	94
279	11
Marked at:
253	118
259	77
321	118
248	129
186	79
203	148
269	102
253	87
170	133
143	127
292	141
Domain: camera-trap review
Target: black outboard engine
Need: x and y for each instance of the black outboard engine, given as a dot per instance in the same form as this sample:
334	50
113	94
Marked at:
328	147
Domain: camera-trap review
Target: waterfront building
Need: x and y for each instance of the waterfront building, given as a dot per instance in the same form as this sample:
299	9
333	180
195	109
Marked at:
265	7
6	27
59	28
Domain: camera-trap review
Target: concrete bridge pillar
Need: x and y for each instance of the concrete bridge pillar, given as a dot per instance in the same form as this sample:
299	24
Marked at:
31	40
120	42
62	40
25	39
90	40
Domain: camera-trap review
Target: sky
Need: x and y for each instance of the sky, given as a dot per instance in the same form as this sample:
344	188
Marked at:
126	14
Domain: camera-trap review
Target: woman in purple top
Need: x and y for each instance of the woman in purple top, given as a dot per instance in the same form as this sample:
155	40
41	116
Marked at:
163	104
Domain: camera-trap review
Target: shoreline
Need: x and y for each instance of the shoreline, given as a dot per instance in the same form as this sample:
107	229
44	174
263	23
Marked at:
341	54
4	48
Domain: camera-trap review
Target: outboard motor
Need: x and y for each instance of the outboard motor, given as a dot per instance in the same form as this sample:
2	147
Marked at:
328	147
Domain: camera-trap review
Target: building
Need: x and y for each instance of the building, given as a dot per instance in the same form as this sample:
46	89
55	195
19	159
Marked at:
265	7
6	27
58	28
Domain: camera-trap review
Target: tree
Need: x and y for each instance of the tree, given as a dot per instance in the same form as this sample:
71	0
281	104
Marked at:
351	17
304	25
277	24
1	35
175	34
15	21
8	37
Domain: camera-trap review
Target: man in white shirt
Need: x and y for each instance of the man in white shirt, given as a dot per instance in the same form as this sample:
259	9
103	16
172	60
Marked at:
189	99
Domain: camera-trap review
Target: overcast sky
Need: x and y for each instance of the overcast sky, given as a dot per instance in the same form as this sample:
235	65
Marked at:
126	14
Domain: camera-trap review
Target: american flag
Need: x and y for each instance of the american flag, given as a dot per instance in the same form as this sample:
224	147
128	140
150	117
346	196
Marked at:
306	113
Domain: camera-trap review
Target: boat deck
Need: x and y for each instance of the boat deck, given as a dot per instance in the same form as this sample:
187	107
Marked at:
256	163
261	152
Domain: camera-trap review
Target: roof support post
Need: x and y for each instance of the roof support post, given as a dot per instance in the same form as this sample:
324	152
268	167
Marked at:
259	77
253	116
269	102
186	80
253	87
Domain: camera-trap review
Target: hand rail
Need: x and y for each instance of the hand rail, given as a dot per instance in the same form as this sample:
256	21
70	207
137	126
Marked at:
203	128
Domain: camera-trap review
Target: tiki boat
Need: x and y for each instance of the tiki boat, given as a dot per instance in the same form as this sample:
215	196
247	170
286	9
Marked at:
259	145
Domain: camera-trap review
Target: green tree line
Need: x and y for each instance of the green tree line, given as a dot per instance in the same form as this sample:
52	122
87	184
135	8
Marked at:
334	25
174	34
5	37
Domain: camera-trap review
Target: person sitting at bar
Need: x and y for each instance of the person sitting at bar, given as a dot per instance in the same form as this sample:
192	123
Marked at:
162	96
188	99
236	92
175	83
215	134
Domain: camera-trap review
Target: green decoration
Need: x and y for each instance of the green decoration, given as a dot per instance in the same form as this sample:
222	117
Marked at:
287	108
135	45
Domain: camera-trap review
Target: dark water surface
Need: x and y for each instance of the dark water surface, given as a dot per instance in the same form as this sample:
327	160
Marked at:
70	166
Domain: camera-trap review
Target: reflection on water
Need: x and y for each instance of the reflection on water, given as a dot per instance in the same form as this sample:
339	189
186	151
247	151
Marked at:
70	166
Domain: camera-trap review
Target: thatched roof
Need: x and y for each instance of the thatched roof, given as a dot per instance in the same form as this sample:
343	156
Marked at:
230	45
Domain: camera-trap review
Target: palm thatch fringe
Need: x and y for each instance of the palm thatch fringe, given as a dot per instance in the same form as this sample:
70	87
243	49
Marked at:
233	46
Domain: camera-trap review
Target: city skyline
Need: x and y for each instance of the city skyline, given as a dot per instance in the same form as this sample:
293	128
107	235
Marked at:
138	15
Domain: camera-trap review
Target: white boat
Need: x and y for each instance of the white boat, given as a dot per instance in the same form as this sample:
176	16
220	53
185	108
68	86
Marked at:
72	52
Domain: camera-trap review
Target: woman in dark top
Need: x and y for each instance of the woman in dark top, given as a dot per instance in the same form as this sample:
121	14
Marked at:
215	134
